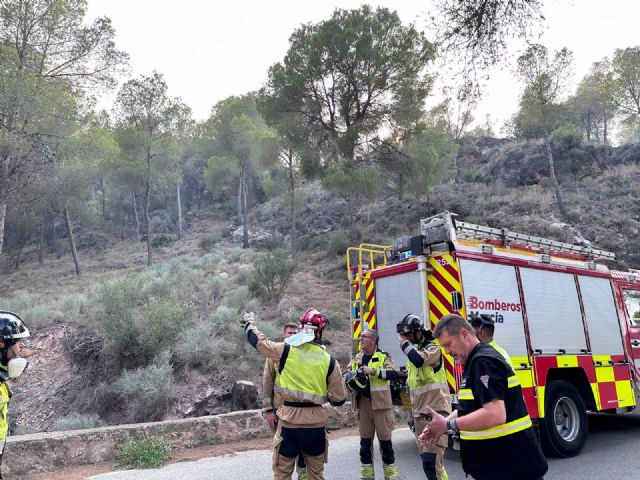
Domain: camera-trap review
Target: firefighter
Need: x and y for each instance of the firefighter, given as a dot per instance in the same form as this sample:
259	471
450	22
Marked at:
272	401
484	328
308	376
12	332
371	397
497	440
427	382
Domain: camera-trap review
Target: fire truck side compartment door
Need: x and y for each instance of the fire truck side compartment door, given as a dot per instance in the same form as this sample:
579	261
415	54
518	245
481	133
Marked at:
601	316
397	295
553	312
493	289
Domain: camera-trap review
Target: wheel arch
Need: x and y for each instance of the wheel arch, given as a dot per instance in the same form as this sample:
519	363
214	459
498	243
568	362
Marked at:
578	378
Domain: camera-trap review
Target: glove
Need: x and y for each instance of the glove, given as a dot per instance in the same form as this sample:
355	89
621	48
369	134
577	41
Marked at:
247	318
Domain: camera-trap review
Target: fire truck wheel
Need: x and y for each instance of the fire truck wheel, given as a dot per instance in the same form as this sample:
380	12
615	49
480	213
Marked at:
564	428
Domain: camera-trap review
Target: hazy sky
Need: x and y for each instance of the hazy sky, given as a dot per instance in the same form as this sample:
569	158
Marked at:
211	49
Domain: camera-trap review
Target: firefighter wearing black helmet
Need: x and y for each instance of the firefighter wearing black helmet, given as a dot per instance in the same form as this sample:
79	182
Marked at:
427	382
484	326
12	332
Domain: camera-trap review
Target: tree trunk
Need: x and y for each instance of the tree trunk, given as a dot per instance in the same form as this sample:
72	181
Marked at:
135	215
103	199
292	188
147	220
240	194
180	230
245	210
3	214
18	257
72	241
554	180
41	240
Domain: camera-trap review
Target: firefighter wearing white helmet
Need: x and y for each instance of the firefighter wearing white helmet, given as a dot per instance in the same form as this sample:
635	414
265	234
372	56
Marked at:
427	382
12	332
308	377
368	378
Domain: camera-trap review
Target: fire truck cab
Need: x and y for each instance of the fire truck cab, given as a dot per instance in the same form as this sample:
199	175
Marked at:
570	324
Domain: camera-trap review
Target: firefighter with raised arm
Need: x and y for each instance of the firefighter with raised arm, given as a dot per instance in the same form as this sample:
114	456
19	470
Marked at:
368	378
427	382
12	332
308	376
272	400
484	327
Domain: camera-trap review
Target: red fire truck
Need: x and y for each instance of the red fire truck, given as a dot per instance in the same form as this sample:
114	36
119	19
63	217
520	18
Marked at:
570	324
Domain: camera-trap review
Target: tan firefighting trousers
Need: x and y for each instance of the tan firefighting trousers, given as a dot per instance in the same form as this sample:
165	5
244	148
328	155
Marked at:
438	449
374	421
283	467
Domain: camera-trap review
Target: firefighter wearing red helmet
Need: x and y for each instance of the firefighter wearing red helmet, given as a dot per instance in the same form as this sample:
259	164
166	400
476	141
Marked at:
308	377
427	382
12	332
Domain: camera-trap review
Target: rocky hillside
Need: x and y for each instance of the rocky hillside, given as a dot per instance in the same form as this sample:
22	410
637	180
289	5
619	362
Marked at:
500	183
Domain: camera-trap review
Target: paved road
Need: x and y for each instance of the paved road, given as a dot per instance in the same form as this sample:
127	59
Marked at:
612	452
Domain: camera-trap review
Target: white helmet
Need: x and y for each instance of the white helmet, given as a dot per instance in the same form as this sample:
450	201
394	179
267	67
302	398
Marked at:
12	327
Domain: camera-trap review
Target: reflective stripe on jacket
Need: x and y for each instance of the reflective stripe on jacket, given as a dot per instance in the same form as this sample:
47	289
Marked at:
490	453
5	396
502	352
379	387
428	384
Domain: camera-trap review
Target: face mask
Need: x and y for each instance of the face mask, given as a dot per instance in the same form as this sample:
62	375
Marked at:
16	366
300	338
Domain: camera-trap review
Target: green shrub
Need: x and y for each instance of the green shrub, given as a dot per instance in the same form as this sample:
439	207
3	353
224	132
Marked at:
158	324
339	242
238	299
224	319
196	349
568	136
236	254
143	452
29	307
208	242
214	286
147	390
274	241
337	320
471	176
73	304
273	272
162	240
77	422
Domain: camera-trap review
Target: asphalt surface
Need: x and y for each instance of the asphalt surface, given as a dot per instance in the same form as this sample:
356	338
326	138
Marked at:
612	452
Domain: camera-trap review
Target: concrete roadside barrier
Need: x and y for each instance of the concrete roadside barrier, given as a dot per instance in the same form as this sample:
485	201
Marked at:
45	452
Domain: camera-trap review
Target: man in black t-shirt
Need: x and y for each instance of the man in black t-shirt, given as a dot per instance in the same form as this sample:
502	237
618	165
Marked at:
497	440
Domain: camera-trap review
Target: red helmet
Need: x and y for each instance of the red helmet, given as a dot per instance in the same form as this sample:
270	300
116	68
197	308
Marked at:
314	318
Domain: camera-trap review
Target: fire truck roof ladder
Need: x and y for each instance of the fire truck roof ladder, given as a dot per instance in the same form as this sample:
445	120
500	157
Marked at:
445	228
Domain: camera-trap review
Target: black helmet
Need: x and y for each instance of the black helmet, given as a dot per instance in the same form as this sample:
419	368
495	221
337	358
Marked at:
355	380
478	320
409	324
12	327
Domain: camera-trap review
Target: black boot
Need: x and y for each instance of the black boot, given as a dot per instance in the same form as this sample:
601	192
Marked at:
429	465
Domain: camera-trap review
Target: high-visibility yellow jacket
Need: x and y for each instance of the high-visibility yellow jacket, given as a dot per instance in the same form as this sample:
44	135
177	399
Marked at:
378	383
428	382
502	352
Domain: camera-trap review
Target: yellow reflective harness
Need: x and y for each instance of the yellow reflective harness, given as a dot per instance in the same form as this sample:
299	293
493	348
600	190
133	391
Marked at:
501	430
